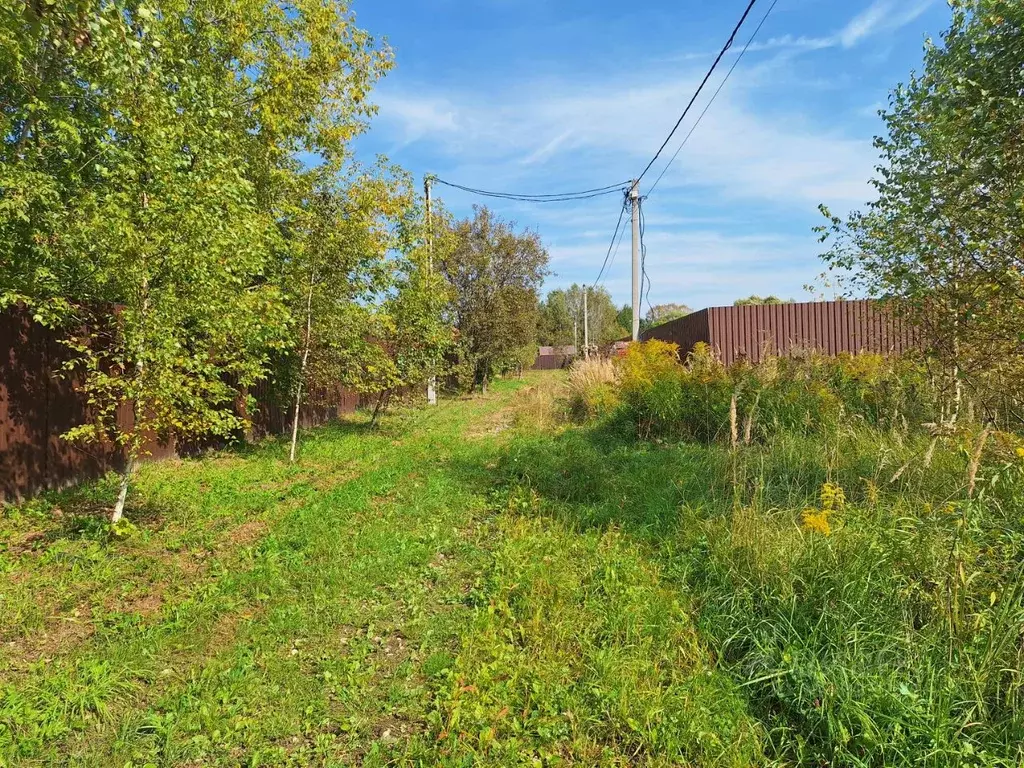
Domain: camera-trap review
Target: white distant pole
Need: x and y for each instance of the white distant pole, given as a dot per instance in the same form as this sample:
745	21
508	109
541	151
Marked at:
432	381
634	198
586	324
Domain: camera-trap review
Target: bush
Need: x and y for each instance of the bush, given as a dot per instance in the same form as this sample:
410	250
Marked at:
869	606
806	394
667	399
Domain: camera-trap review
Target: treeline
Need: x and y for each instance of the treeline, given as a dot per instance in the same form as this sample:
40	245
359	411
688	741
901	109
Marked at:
179	197
563	315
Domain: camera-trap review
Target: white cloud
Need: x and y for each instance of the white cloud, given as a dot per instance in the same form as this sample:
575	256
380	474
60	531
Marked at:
789	42
881	16
418	117
548	149
764	156
610	128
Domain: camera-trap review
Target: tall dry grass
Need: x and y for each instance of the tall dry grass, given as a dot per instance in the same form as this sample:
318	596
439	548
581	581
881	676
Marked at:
591	388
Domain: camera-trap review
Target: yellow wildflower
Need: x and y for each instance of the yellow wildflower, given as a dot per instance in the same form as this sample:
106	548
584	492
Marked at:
872	492
832	497
1020	452
816	521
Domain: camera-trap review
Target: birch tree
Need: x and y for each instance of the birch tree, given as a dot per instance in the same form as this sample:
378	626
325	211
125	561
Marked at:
342	265
944	240
149	158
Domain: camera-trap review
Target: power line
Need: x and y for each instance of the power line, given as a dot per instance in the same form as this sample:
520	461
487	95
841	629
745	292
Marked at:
560	197
615	253
618	224
643	247
714	96
718	59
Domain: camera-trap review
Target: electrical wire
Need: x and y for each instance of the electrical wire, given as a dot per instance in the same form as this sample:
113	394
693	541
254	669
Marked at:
713	97
560	197
587	194
607	256
615	253
714	65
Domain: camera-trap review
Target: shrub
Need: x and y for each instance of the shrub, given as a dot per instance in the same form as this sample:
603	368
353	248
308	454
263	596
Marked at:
667	399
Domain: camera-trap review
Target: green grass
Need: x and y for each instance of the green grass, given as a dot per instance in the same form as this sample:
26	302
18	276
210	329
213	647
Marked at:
482	584
896	640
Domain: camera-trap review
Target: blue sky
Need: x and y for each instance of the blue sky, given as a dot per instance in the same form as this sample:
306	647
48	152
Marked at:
538	96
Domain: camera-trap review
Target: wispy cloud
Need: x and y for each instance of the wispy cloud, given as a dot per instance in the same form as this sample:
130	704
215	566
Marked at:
880	17
731	217
738	151
548	149
418	117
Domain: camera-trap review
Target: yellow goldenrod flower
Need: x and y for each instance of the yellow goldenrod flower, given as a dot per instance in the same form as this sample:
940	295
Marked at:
832	497
872	492
816	521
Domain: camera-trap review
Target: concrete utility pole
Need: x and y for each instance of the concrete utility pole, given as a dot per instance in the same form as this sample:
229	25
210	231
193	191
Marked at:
586	325
432	381
430	234
634	199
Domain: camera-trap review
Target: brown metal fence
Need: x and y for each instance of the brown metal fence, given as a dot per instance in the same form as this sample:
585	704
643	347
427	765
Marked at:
830	327
551	362
38	404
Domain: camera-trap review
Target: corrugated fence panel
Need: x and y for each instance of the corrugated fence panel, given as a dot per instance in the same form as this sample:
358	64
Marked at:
831	327
37	406
551	362
685	331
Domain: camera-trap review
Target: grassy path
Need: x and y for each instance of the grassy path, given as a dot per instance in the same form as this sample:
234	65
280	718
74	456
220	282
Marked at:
389	600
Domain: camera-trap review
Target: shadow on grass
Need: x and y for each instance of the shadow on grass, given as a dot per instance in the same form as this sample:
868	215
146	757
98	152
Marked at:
600	476
80	512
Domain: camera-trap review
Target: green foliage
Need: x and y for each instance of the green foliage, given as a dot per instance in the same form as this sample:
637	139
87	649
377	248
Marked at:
585	655
439	592
494	274
561	318
591	388
148	175
755	300
808	394
277	613
866	620
943	239
344	276
664	398
660	314
420	335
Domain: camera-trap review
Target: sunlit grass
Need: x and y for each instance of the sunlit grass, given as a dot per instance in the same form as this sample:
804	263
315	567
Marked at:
487	584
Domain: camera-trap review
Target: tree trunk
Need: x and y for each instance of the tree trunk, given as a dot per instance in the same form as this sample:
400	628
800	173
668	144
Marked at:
302	368
382	403
972	470
295	421
122	494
